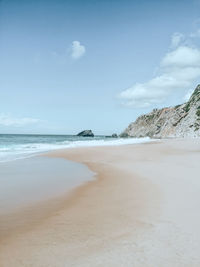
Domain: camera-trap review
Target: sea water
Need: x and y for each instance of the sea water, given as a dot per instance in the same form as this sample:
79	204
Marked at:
26	177
15	146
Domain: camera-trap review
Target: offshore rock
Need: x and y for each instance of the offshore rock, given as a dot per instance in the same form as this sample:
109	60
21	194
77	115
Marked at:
86	133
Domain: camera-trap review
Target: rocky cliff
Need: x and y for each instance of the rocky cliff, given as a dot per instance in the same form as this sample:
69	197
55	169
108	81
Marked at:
179	121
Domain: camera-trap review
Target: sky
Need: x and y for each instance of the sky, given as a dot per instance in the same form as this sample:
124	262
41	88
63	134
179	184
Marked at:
71	65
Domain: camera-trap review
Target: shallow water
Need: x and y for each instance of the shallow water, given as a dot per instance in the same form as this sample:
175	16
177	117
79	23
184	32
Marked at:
16	146
28	181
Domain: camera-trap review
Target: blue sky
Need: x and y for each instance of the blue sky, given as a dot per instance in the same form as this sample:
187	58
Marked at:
67	65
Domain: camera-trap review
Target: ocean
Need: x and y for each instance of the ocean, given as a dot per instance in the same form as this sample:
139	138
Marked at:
18	146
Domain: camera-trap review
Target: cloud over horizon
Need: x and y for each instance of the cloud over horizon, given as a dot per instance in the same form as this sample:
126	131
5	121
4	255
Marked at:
8	120
178	69
77	50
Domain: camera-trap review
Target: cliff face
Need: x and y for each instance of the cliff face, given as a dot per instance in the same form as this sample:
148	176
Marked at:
179	121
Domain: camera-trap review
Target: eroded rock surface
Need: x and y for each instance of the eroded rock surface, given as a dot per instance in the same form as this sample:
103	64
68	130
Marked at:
179	121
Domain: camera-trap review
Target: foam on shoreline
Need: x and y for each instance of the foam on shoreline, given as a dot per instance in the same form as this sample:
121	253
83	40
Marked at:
21	151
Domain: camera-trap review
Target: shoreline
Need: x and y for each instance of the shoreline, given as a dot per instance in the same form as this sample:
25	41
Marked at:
114	219
41	149
51	182
61	201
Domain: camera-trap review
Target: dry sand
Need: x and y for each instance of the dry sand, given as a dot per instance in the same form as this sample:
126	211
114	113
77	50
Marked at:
142	210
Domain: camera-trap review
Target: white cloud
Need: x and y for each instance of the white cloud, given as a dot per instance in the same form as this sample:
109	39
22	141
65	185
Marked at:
7	120
177	38
77	50
183	56
143	95
179	69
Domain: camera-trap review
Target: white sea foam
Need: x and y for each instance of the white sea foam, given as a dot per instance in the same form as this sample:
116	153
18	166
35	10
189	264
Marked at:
19	151
106	142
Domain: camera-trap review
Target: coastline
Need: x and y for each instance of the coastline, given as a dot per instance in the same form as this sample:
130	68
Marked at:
124	217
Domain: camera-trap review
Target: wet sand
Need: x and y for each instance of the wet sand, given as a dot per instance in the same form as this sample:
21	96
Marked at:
32	180
141	210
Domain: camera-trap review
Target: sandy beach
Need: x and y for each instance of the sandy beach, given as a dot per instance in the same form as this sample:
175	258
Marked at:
142	209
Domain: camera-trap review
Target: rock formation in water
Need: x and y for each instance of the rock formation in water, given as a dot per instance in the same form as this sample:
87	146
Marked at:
86	133
179	121
114	135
